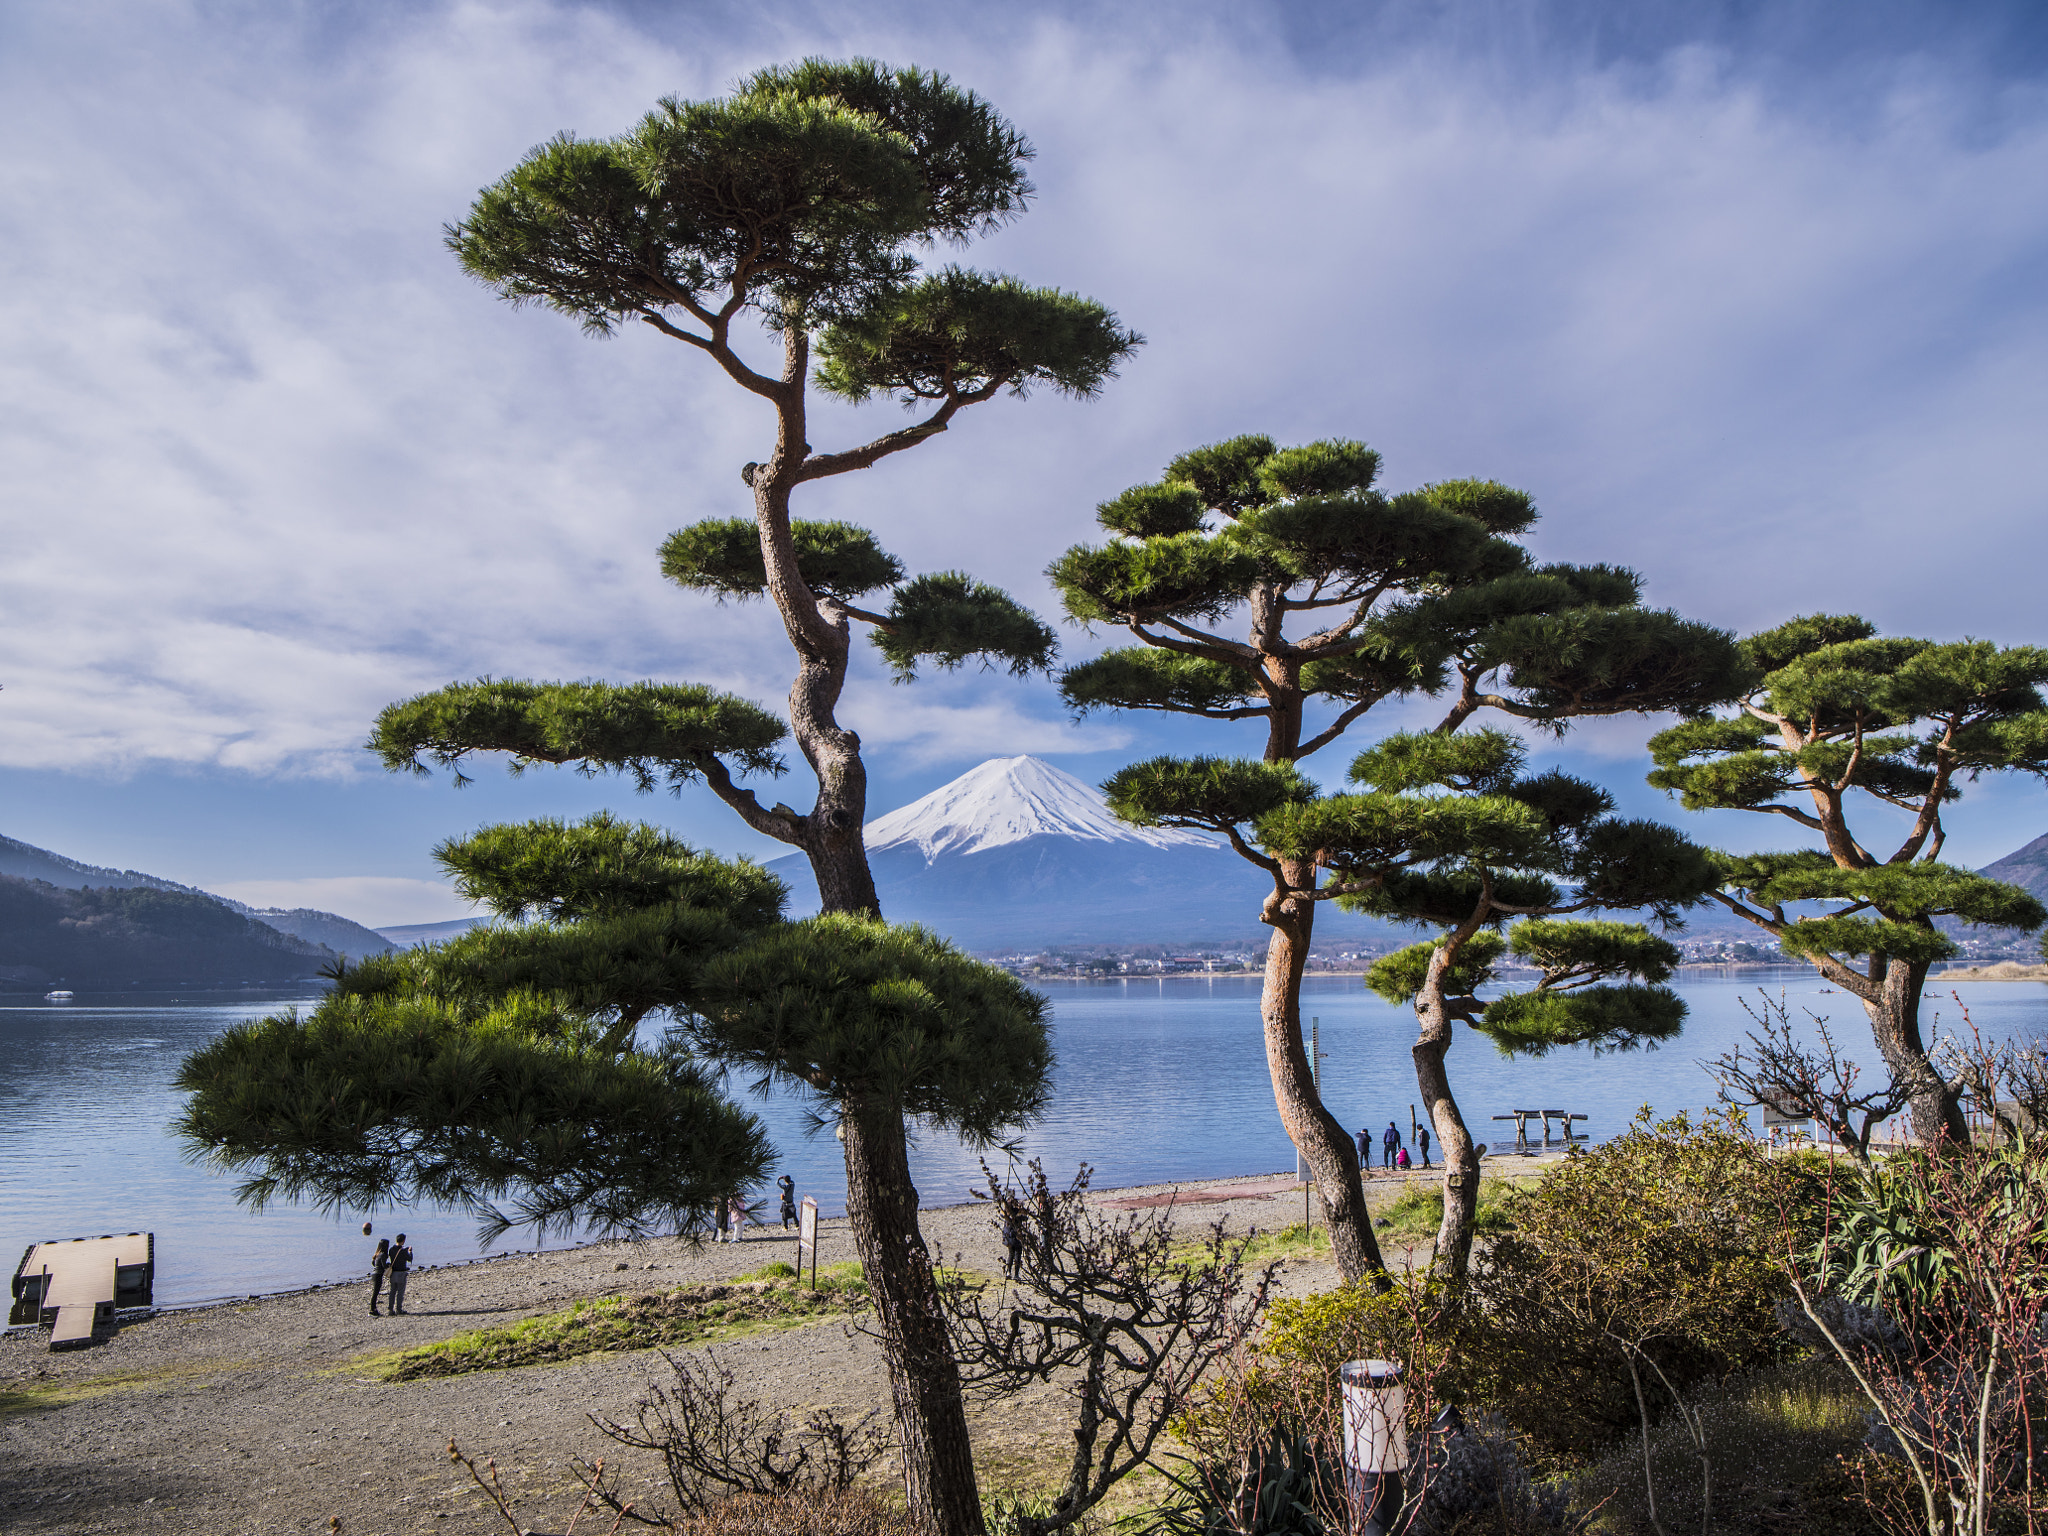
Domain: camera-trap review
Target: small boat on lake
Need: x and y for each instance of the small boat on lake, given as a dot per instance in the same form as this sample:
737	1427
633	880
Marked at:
59	996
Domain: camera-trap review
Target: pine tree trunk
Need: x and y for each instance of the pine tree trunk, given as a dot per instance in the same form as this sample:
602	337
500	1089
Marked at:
821	634
881	1206
1895	1022
1320	1137
1461	1159
931	1417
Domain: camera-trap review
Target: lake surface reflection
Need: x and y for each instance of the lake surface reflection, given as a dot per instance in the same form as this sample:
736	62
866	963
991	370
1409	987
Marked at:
1157	1080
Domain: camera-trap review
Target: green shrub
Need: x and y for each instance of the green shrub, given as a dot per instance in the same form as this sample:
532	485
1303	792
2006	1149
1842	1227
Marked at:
1653	1256
1419	1209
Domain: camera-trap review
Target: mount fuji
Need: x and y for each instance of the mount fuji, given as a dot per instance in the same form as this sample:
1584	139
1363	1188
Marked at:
1017	854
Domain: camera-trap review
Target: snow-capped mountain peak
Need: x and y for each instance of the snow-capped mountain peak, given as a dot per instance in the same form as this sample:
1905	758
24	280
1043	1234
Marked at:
1006	800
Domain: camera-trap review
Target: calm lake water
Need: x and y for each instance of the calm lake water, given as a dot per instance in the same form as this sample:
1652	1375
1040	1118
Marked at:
1157	1081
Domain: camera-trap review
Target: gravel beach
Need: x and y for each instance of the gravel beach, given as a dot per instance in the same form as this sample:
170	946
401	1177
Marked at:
259	1417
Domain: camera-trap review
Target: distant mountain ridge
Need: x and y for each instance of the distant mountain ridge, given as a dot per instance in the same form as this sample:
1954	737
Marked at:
2026	867
1019	855
65	920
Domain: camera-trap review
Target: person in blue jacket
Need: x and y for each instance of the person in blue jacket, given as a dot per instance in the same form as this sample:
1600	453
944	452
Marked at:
1390	1142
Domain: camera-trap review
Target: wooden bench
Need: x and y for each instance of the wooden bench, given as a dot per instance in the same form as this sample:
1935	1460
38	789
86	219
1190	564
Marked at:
76	1285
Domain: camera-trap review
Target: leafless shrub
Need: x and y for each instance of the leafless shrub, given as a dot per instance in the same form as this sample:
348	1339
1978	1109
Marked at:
1776	1071
1116	1310
715	1445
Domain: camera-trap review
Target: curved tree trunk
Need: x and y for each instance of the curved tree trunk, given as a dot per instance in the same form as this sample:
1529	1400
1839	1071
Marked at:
1461	1158
1321	1138
881	1205
1895	1022
924	1378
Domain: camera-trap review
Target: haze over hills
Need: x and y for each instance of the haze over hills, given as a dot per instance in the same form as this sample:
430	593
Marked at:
1019	855
84	924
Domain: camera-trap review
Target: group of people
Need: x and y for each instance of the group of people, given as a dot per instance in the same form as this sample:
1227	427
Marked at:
1392	1154
390	1266
734	1215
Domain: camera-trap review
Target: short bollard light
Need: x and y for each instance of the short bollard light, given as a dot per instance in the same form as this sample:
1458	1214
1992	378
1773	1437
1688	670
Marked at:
1375	1441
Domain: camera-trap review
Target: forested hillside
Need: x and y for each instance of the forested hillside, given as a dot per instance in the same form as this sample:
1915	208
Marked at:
110	937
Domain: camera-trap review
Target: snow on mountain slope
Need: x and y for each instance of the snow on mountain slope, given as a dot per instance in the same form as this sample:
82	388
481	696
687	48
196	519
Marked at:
1006	800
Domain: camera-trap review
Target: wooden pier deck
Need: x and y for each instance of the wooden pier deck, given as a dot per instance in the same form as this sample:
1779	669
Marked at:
75	1284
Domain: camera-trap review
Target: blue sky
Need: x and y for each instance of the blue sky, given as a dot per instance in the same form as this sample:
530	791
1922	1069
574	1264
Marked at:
1752	298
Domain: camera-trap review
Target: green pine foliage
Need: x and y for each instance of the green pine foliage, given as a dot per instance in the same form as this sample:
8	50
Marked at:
602	866
949	618
1837	727
652	732
518	1113
723	556
843	1008
502	1073
1448	834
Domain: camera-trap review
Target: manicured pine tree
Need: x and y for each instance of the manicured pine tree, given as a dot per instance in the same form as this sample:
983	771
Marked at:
1837	728
498	1073
1448	831
1348	597
798	208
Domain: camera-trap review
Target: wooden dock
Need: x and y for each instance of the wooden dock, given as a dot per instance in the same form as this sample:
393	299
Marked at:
80	1283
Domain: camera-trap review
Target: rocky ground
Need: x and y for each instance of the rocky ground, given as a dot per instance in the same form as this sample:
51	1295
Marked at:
262	1417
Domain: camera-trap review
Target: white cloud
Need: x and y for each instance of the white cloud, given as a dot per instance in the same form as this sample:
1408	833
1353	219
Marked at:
271	462
375	901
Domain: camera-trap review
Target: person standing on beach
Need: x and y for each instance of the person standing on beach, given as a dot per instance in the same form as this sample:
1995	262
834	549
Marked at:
1013	1245
1389	1141
736	1215
1365	1149
401	1267
1422	1143
788	1187
379	1262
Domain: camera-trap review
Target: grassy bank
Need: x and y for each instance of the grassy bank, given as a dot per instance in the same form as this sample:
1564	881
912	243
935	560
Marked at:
770	1298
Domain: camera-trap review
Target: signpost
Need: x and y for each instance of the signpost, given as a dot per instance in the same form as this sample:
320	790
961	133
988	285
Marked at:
807	1238
1315	1076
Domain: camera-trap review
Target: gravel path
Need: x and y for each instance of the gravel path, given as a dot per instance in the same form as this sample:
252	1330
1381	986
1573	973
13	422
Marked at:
249	1418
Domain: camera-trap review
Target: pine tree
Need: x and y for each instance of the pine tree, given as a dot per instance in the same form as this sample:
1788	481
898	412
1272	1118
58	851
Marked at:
1450	832
499	1073
1350	597
798	206
1835	717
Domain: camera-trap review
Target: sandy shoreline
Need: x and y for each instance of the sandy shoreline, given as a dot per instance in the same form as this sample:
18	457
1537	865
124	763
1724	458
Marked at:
248	1416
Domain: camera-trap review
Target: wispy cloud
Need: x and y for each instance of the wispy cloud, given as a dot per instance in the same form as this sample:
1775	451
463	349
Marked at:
272	462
